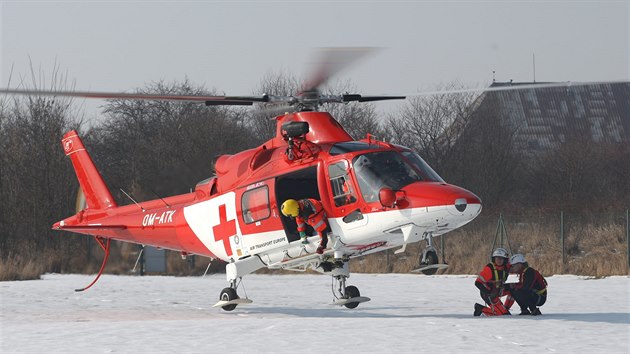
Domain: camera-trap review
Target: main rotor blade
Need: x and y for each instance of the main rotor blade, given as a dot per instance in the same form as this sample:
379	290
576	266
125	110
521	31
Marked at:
331	61
228	103
112	95
513	87
208	100
360	98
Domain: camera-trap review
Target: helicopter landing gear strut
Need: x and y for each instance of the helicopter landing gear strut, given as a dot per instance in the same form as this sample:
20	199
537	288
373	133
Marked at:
229	299
234	271
348	296
429	263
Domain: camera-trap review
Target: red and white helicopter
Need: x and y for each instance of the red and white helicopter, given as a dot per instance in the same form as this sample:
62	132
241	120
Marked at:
376	195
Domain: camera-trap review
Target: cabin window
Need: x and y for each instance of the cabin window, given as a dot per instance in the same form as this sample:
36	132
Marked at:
255	204
340	184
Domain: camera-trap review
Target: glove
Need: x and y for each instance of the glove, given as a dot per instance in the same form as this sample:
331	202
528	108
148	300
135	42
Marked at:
302	234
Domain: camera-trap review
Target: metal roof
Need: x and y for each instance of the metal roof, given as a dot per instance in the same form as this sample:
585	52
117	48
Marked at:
547	117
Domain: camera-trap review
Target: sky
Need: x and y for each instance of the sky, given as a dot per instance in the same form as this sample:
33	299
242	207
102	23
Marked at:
291	314
230	46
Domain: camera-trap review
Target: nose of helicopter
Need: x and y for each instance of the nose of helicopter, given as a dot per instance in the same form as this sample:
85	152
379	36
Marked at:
458	201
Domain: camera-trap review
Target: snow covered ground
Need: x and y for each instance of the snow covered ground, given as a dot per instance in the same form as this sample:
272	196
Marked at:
290	313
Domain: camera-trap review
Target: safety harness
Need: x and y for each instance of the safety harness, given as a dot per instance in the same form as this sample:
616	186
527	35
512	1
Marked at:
316	219
496	273
541	281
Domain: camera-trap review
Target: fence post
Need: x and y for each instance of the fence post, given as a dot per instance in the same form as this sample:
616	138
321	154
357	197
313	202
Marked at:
142	260
442	248
562	236
89	249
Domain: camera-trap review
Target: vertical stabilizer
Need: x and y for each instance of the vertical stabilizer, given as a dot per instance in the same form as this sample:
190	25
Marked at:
96	193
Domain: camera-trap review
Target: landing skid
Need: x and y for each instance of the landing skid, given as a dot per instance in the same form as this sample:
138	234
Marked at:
432	266
233	302
353	300
229	299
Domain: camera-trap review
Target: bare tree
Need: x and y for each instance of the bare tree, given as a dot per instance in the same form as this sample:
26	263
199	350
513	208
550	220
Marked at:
37	186
581	173
357	118
464	137
484	157
261	117
431	125
164	148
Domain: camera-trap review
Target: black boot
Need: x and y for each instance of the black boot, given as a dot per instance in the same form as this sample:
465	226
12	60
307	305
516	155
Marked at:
536	312
525	312
478	310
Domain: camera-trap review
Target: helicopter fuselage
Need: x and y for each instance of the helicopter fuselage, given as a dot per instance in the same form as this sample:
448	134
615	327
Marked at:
376	196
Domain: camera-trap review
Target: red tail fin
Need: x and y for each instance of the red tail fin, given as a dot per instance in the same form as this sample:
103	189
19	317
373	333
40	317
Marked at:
96	193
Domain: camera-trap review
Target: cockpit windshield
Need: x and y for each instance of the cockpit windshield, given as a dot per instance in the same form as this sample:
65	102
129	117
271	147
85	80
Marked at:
426	171
389	169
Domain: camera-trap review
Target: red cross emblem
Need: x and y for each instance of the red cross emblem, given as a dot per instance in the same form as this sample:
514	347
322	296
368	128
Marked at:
224	230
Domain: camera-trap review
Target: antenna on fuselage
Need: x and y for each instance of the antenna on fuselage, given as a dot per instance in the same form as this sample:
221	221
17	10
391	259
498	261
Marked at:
133	200
164	201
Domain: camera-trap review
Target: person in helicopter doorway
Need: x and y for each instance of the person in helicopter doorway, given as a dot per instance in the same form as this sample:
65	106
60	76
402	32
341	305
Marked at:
531	289
491	282
308	211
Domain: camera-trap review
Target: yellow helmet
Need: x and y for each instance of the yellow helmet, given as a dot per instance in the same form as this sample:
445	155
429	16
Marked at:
290	207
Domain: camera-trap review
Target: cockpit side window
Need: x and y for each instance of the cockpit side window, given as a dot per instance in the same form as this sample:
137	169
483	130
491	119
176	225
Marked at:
340	184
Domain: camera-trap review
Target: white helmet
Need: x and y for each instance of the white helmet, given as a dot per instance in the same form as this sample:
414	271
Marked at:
518	258
500	252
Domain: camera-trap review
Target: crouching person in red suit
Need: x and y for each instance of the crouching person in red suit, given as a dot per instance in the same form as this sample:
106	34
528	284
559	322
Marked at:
491	283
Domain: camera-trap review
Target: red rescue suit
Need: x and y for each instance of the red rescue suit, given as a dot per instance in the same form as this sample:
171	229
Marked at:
312	212
490	283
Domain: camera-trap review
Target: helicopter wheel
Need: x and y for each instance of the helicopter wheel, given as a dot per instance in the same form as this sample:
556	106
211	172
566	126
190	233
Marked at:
228	294
350	292
430	259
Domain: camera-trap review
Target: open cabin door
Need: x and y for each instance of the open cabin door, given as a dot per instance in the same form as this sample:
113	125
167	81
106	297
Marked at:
296	185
